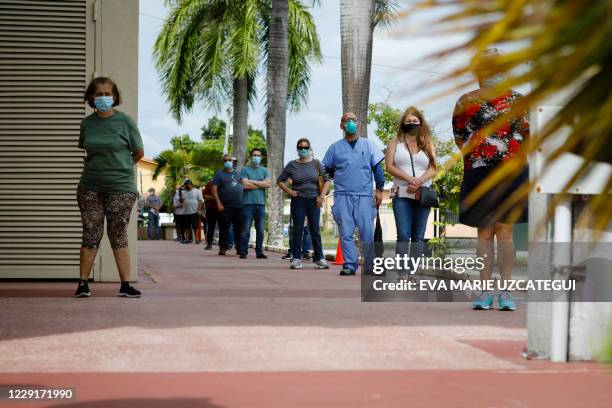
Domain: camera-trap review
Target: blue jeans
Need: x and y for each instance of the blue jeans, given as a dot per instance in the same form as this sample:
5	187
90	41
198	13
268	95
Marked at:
252	212
306	241
153	226
410	222
301	208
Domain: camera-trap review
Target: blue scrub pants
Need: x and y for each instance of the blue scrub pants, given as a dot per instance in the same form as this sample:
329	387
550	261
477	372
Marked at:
352	211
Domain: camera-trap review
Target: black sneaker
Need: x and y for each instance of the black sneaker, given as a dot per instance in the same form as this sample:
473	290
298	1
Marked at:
306	255
287	256
243	256
222	251
128	291
262	256
82	290
208	246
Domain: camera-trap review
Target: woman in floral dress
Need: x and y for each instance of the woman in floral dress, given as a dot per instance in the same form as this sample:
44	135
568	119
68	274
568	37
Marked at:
473	113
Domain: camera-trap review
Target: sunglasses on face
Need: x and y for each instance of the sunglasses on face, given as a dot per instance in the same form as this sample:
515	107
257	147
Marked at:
227	160
304	147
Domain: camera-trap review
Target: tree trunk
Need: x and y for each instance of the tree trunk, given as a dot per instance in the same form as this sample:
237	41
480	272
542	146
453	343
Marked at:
278	69
356	32
240	124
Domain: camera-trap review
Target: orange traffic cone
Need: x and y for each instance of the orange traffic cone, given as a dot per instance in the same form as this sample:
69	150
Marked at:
339	258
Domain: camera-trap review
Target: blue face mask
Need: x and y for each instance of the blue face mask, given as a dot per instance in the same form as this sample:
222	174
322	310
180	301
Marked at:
256	160
103	103
228	165
304	152
350	127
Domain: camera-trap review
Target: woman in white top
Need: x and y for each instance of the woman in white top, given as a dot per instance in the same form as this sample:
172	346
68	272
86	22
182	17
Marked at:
410	159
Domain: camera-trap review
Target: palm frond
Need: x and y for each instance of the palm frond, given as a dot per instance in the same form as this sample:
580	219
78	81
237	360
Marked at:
561	49
384	13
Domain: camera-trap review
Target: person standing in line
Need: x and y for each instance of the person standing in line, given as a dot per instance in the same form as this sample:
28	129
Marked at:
410	159
153	203
306	201
192	208
354	162
212	215
179	220
107	188
255	180
473	112
227	190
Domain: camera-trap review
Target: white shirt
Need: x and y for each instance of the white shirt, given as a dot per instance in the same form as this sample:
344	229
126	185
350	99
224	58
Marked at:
401	159
191	200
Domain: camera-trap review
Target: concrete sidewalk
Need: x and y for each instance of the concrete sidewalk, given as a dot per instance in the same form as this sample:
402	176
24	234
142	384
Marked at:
215	331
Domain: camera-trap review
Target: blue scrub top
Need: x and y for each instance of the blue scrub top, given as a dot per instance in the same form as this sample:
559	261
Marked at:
353	166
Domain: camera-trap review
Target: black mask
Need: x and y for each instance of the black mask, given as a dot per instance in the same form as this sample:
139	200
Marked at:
411	128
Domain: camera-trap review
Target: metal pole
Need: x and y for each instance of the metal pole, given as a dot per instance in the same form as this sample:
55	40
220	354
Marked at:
561	262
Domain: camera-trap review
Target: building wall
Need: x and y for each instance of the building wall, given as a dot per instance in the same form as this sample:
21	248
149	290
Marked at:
144	177
55	48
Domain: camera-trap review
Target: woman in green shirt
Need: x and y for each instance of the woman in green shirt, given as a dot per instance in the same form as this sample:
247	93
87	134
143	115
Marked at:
107	188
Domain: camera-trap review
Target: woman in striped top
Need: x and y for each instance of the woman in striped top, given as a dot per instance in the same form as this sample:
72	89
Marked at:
306	201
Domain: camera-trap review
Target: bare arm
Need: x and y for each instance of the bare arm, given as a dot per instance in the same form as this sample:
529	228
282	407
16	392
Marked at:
215	193
459	143
248	184
283	186
265	183
431	170
326	187
137	155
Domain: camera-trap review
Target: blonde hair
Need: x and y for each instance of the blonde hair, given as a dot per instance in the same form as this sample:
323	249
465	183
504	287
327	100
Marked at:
424	141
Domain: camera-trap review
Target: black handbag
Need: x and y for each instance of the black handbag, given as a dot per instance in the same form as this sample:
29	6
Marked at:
426	196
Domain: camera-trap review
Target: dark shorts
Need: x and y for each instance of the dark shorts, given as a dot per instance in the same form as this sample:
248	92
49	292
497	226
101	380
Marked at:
486	210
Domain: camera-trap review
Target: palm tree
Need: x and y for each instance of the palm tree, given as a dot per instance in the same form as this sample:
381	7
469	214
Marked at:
210	52
186	159
358	19
277	89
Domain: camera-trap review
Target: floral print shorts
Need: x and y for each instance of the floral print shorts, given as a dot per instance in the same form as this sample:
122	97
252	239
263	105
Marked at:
116	208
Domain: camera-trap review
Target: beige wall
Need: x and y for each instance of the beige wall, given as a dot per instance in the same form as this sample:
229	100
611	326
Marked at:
144	177
116	56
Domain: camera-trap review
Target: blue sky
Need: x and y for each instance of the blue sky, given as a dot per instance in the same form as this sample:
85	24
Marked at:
401	75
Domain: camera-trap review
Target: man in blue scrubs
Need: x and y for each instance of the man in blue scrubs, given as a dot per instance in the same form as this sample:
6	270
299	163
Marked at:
352	162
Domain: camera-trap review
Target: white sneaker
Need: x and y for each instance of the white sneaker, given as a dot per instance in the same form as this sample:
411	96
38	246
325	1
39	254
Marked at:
296	264
321	264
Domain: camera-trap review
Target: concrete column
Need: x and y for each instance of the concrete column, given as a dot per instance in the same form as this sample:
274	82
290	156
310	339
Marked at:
117	58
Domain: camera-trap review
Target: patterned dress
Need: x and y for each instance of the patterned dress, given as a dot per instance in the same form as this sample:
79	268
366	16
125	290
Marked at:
473	113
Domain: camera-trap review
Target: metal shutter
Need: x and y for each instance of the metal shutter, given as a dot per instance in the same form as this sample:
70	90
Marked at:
42	79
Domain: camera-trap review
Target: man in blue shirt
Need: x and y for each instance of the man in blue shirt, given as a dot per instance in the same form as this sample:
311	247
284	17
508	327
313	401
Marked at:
352	162
227	191
255	180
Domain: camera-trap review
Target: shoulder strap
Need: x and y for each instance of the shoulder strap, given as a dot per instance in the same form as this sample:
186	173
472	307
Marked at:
411	160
